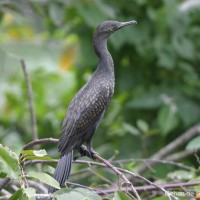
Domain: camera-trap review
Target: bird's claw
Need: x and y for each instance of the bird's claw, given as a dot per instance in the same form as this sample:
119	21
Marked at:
91	154
84	151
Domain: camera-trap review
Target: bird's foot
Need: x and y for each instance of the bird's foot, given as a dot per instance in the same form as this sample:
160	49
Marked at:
89	152
83	150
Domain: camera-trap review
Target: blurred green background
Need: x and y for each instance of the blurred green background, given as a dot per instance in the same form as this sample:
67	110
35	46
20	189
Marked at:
157	67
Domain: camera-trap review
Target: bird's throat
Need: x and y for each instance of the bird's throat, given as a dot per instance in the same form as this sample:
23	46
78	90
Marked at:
105	59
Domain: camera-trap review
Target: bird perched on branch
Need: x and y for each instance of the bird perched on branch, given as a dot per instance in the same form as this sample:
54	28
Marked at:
89	105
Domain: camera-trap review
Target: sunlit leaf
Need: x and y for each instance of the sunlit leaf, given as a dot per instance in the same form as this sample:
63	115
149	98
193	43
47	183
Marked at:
131	129
17	195
65	194
76	194
29	193
9	163
44	178
194	143
35	154
142	125
88	194
39	153
119	195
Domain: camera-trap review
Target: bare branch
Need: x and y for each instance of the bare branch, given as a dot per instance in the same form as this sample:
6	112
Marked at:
164	162
151	187
181	140
150	183
105	163
86	187
127	182
31	104
39	141
44	196
182	154
4	182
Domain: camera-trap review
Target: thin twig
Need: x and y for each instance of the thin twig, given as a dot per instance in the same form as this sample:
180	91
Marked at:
44	196
4	182
127	182
151	187
101	177
31	104
197	158
83	186
23	177
45	140
150	183
182	154
39	141
164	162
32	144
181	140
105	163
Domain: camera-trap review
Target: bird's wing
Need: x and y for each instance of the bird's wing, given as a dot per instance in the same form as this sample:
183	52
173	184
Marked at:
83	113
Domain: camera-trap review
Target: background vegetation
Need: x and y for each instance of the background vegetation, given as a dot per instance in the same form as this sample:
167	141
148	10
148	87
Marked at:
157	76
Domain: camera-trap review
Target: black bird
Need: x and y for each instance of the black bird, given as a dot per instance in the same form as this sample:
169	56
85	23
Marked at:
88	107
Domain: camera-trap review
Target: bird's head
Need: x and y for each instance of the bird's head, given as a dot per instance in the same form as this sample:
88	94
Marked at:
108	27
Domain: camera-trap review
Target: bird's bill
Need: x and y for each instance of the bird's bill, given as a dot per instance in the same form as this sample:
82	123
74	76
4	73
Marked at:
122	24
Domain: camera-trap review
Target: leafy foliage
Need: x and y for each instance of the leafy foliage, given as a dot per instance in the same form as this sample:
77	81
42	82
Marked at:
157	76
45	178
9	163
76	194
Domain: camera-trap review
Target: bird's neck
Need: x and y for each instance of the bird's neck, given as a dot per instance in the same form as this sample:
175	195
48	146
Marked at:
105	59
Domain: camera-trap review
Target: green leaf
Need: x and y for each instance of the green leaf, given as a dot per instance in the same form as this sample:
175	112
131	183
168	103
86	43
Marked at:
194	143
9	163
30	193
66	194
17	195
39	158
119	195
44	178
142	125
39	153
167	119
35	154
130	128
88	194
76	194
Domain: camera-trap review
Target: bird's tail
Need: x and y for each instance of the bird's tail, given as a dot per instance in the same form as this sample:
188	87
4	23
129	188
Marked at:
62	170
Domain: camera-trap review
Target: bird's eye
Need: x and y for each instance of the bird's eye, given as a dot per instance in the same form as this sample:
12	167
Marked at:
113	24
